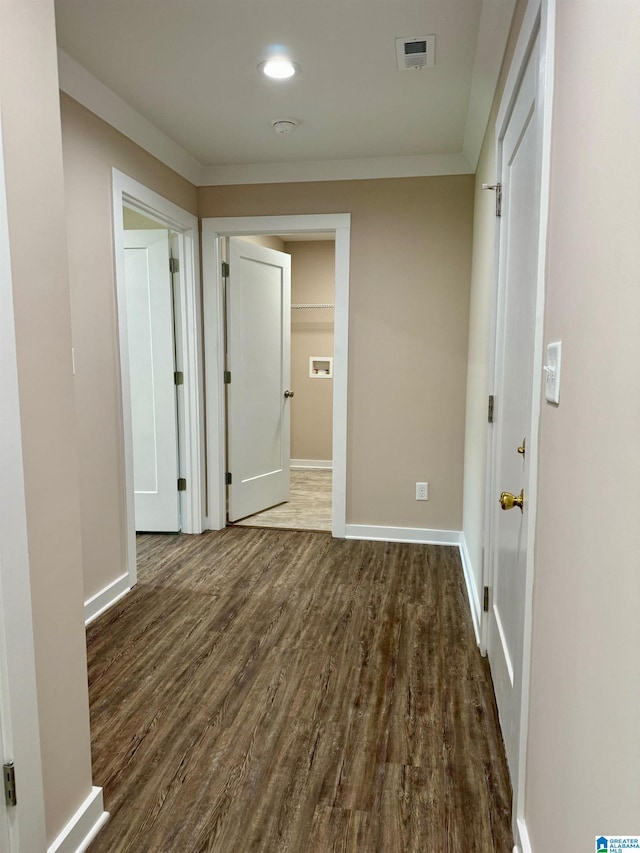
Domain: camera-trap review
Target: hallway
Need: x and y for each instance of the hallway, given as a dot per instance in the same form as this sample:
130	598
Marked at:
273	690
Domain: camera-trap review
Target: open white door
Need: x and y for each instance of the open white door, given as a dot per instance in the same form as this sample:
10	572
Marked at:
150	336
515	346
258	358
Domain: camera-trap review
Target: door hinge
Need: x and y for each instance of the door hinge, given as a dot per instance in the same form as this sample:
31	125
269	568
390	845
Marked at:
228	479
182	484
227	377
225	269
178	377
490	408
9	773
498	191
174	265
485	599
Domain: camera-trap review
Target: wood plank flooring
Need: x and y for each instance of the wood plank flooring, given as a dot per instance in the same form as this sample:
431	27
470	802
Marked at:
265	690
308	509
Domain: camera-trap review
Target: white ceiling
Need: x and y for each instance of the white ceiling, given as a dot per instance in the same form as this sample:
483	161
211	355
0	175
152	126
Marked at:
189	68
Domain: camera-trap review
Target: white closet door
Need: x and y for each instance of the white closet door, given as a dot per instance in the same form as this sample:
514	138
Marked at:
151	368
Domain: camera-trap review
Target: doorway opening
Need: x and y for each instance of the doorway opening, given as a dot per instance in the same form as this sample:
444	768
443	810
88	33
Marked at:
290	229
158	301
309	406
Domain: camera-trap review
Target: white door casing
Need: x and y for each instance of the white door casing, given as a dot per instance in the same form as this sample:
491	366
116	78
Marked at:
127	191
24	828
213	230
258	297
149	304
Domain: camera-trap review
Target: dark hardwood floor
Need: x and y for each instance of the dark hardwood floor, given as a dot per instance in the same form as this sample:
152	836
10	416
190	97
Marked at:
264	690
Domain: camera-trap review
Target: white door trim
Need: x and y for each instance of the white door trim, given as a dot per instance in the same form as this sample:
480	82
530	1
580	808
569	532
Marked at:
188	340
212	230
19	715
539	19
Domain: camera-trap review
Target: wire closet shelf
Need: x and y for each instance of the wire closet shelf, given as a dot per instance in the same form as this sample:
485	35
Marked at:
323	306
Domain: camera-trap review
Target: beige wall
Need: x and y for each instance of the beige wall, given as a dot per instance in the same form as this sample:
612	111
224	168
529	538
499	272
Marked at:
35	204
410	268
268	242
482	286
134	221
91	149
583	770
312	280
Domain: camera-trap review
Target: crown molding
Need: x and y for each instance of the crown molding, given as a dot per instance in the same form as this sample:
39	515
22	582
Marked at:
83	87
492	41
338	170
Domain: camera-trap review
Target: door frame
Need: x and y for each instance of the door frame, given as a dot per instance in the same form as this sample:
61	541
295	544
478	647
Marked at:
129	192
19	714
539	20
213	230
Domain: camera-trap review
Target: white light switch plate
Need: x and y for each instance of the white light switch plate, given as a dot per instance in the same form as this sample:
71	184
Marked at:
552	372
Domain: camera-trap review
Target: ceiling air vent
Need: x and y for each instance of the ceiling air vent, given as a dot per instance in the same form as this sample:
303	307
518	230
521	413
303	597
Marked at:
416	53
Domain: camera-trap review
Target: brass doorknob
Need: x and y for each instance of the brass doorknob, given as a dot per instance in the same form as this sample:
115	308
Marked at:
288	394
508	501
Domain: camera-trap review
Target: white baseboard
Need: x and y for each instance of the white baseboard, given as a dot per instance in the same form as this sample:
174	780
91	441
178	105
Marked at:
83	827
418	535
312	463
102	600
472	591
523	843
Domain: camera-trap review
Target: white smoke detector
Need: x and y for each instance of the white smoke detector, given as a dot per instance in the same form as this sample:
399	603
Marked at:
416	52
284	125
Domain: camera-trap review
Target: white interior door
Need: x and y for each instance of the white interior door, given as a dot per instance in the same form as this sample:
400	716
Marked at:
258	357
520	180
150	335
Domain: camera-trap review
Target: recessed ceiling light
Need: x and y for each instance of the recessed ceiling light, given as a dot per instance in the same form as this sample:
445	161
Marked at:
279	68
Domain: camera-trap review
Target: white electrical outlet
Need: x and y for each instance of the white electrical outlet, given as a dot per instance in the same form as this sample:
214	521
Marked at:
422	491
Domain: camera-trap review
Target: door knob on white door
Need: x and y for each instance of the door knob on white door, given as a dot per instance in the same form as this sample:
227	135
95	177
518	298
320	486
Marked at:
508	501
288	393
